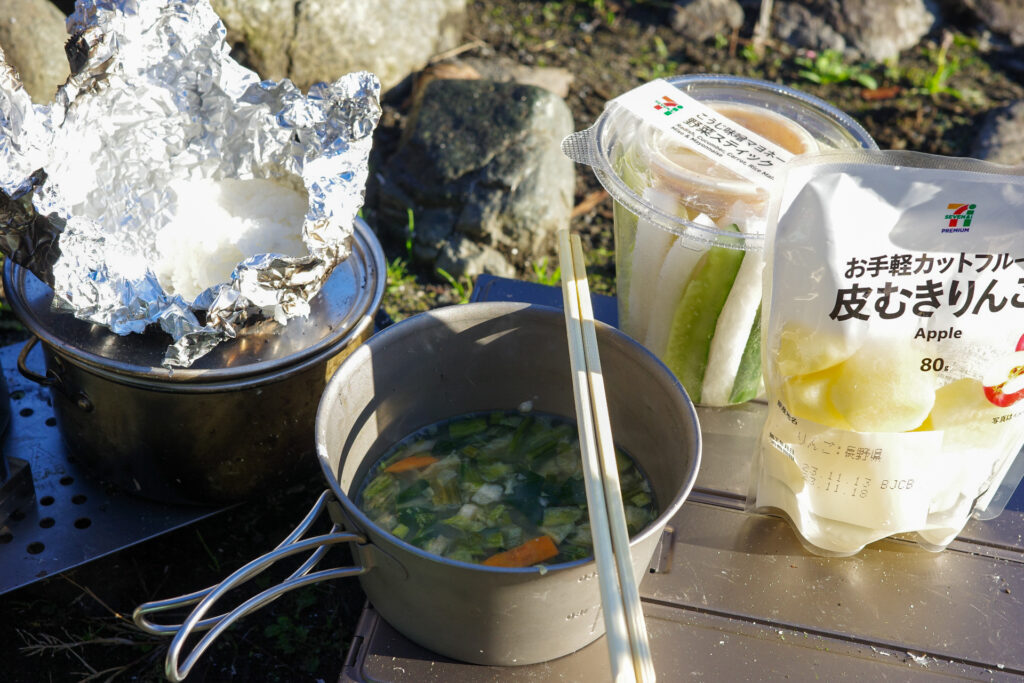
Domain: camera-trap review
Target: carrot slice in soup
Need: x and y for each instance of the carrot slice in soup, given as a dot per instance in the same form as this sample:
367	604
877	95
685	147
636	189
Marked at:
413	462
533	551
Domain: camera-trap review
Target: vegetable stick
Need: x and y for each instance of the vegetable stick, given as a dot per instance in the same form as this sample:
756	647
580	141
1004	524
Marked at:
533	551
413	462
649	250
679	264
732	331
696	316
636	173
749	382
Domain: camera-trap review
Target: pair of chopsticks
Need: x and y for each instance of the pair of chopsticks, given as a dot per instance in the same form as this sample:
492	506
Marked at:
625	628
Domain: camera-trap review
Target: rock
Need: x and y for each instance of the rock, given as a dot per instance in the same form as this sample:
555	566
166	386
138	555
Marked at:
266	29
703	19
799	26
553	78
1001	16
872	29
32	35
881	29
1001	137
441	70
462	257
501	69
480	166
320	41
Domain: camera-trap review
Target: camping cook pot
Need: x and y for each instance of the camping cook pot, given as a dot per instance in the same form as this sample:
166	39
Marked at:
228	428
437	365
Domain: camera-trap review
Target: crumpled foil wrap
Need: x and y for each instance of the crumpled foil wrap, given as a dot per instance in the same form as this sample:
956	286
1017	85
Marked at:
155	96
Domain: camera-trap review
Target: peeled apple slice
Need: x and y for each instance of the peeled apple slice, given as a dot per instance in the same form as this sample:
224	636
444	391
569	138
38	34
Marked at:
649	250
696	316
807	397
679	265
802	350
882	388
962	403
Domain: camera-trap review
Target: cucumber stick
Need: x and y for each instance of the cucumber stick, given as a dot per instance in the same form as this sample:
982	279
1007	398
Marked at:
696	316
732	331
748	376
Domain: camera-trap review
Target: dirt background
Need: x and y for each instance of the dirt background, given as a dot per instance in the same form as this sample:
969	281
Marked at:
77	626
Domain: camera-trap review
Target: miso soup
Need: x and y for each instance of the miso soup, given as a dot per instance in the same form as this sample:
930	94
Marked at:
498	488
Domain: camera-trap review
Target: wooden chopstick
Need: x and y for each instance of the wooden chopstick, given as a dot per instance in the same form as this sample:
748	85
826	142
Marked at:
628	645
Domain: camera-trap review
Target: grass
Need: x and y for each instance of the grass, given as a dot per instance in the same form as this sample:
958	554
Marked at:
543	274
86	643
462	287
399	274
945	61
829	67
654	61
945	65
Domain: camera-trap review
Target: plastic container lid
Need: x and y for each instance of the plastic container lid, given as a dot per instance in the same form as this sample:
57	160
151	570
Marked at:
343	308
763	107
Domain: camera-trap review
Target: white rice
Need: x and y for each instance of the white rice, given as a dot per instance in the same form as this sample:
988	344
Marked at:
219	223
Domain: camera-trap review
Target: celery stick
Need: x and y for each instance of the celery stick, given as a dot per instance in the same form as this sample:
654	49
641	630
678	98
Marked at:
682	259
649	250
693	325
732	331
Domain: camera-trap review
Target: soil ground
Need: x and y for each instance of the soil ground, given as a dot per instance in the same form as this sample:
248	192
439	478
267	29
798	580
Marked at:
76	626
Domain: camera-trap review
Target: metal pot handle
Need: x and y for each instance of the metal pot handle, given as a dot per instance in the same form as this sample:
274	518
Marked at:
51	378
142	612
292	545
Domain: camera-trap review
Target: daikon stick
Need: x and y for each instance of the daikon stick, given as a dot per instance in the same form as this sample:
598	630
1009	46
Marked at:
649	251
675	272
732	331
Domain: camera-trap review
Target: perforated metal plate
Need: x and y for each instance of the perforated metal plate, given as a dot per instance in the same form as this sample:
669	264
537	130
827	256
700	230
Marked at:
72	519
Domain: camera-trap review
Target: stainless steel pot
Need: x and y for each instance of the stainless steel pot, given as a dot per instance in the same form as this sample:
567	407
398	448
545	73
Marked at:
233	425
437	365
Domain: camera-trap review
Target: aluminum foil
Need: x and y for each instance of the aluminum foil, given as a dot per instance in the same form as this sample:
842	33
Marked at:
154	96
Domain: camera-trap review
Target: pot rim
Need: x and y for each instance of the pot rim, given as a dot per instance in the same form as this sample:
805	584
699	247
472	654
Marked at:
370	278
483	311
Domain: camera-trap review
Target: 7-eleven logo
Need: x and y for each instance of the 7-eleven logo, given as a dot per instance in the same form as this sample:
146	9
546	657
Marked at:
961	215
666	105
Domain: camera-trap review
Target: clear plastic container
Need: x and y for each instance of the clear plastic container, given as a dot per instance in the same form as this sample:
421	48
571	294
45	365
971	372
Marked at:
689	229
894	359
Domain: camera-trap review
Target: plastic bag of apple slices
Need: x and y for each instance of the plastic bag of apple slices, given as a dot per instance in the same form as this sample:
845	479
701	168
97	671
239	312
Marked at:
893	347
